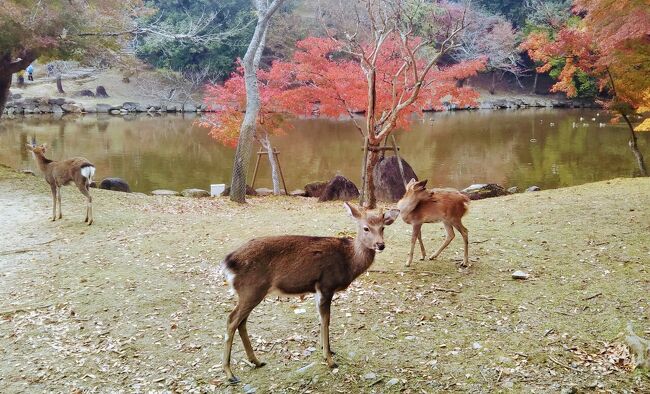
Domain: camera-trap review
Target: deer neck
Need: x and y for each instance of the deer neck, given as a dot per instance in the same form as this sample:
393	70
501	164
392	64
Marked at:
407	205
362	258
41	161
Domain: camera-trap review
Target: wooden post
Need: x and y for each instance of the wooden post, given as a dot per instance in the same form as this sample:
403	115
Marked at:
257	165
260	153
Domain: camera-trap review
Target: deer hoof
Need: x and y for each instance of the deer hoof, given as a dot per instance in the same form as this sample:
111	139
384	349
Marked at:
259	364
90	222
233	380
332	365
432	257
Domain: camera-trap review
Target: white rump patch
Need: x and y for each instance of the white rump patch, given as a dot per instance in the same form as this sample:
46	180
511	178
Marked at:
230	277
88	172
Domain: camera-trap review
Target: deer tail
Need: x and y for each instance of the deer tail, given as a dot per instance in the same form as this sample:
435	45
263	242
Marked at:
88	171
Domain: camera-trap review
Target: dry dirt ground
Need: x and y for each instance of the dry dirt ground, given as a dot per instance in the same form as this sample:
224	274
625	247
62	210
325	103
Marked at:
135	303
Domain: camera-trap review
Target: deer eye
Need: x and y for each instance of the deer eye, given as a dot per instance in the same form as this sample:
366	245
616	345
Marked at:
365	228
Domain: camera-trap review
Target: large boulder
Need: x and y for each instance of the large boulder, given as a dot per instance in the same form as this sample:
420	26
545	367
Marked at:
480	191
130	106
104	108
389	185
196	193
56	101
101	91
86	93
189	107
72	108
315	189
339	188
115	184
249	191
164	192
264	191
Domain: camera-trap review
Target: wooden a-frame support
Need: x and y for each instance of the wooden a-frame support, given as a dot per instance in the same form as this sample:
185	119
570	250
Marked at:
261	153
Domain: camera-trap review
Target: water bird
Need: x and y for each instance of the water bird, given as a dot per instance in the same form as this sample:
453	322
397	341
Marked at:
593	119
581	119
552	124
533	140
585	124
573	125
602	124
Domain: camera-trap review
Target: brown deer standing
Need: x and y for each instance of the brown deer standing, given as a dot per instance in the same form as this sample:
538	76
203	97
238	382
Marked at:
419	206
295	265
60	173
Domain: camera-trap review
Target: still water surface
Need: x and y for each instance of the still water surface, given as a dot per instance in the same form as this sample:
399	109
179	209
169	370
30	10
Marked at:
513	148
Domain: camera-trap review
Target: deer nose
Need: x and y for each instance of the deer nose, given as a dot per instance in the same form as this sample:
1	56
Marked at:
380	246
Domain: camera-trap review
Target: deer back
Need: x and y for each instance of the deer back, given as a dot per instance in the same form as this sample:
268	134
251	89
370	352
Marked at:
66	171
294	264
442	206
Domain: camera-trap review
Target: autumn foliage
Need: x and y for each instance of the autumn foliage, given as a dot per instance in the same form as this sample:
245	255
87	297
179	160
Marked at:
320	79
611	43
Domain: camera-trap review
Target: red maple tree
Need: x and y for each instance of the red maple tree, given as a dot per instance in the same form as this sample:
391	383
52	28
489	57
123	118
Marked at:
320	79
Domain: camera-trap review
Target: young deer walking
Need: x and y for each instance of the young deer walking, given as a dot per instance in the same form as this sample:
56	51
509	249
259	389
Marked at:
295	265
59	173
419	206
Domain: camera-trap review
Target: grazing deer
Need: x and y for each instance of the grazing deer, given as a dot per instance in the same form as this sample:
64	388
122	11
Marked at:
295	265
59	173
419	206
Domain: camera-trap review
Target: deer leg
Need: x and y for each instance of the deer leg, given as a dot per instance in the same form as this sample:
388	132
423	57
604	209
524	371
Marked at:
324	304
243	333
236	317
463	231
424	253
83	188
54	192
414	238
58	197
448	239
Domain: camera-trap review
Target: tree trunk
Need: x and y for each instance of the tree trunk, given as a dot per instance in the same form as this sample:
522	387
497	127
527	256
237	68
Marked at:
5	84
370	201
266	144
247	132
59	84
635	148
534	90
493	86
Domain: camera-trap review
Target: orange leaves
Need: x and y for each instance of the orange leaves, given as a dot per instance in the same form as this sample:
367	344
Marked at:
321	79
613	38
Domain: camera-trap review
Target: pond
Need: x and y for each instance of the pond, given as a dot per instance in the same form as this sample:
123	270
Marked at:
549	148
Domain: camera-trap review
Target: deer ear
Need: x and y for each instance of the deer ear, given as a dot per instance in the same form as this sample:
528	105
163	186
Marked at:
390	216
422	183
352	210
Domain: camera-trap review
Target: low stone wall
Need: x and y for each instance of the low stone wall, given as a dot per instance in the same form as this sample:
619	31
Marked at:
45	105
519	103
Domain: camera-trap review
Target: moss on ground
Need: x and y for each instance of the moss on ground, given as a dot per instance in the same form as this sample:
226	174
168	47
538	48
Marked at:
135	302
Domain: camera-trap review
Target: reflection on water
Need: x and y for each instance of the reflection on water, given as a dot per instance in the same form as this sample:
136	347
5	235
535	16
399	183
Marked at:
513	148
